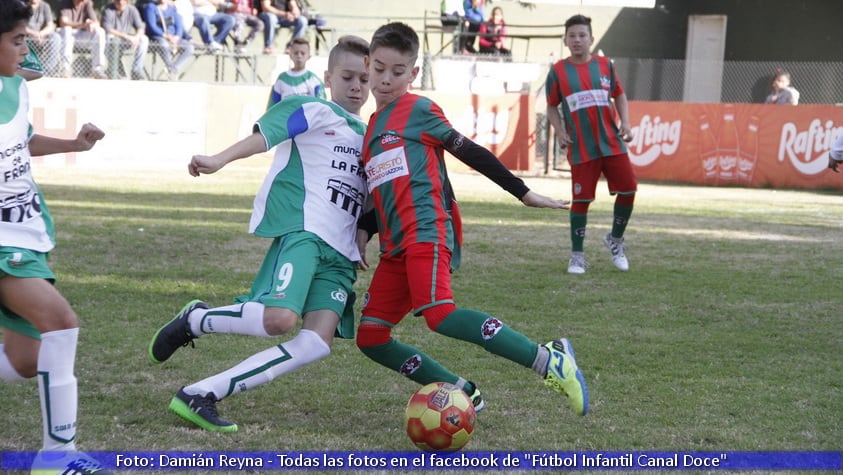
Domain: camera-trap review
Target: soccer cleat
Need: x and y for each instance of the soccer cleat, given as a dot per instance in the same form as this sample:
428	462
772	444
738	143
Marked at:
617	247
477	399
200	410
577	264
563	375
175	334
67	463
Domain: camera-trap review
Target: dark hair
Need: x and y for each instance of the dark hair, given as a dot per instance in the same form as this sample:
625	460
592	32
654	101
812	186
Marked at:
398	36
12	13
781	72
578	20
347	44
300	41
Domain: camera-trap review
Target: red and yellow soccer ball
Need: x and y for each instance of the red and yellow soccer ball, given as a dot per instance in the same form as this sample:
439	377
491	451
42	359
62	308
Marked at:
440	418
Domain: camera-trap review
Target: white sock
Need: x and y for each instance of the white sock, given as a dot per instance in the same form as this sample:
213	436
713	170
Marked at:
240	319
265	366
57	388
7	371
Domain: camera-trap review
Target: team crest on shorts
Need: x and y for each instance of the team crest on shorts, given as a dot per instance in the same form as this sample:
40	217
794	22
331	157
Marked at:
490	328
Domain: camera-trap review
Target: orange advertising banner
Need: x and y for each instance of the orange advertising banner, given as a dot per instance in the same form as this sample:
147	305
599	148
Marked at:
757	145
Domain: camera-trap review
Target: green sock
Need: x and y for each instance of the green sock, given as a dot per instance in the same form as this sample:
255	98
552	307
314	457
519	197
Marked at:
622	214
403	358
578	222
490	333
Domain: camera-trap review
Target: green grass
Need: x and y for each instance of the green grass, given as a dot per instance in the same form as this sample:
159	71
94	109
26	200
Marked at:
725	334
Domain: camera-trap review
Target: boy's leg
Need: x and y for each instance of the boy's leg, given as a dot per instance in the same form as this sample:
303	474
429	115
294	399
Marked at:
622	182
584	178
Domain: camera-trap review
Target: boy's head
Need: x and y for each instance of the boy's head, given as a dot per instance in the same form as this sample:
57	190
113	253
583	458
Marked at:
578	37
781	79
14	15
347	76
299	53
392	61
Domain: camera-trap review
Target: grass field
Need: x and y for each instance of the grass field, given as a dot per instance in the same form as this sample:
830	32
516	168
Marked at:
726	334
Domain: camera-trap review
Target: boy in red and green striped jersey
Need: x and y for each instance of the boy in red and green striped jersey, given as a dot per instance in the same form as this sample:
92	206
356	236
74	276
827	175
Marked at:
417	219
584	85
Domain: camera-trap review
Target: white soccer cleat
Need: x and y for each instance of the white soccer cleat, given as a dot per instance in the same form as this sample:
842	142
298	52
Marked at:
577	264
617	247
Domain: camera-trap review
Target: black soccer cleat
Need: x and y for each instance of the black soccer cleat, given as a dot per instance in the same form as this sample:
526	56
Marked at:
175	334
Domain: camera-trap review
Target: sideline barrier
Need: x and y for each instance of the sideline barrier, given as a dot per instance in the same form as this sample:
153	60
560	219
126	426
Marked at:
755	145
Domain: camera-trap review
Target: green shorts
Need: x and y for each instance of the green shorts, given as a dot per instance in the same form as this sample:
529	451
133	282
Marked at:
303	273
23	263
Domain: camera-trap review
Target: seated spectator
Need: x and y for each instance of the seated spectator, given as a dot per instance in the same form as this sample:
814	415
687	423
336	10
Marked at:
166	34
125	31
205	14
471	24
283	13
80	27
244	15
782	92
451	12
41	36
185	11
492	35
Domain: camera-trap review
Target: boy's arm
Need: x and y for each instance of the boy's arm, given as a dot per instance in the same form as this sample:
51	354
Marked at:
622	106
204	164
555	119
835	155
88	135
485	162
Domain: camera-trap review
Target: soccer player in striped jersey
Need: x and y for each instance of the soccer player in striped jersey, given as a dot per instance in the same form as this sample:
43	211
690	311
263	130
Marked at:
309	205
40	329
416	217
585	85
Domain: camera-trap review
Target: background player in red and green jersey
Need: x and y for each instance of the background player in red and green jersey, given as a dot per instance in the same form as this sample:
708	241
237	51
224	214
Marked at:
584	85
418	224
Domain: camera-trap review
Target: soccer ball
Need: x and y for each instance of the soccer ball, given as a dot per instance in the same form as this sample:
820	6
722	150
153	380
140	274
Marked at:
440	417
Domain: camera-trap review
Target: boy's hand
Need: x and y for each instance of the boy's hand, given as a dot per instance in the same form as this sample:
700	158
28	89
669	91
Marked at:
200	164
362	240
88	135
535	200
625	133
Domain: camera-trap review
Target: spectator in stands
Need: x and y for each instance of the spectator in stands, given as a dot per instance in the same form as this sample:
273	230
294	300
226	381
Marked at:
492	35
42	37
125	31
783	92
298	81
165	31
471	24
281	13
244	15
205	14
80	27
451	13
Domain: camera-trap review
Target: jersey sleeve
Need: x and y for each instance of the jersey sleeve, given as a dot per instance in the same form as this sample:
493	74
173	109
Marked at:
551	89
437	129
617	89
284	120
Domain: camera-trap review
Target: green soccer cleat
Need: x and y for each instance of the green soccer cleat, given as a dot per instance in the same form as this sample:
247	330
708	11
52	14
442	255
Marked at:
563	375
200	410
476	399
175	334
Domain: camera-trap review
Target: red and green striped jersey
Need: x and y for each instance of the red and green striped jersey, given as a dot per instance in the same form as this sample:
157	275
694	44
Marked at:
403	156
585	92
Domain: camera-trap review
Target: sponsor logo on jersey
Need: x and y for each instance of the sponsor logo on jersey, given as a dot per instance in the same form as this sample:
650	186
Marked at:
390	138
605	83
386	166
490	328
330	133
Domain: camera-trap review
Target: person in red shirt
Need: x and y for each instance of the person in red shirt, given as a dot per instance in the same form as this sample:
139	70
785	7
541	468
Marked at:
590	94
416	217
492	35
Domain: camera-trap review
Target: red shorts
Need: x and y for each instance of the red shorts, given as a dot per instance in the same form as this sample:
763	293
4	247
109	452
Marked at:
416	279
620	176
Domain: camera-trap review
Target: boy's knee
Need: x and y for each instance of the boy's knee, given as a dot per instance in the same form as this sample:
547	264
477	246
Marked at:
278	321
373	334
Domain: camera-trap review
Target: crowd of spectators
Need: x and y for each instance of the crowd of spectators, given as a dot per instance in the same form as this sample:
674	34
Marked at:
72	38
475	27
